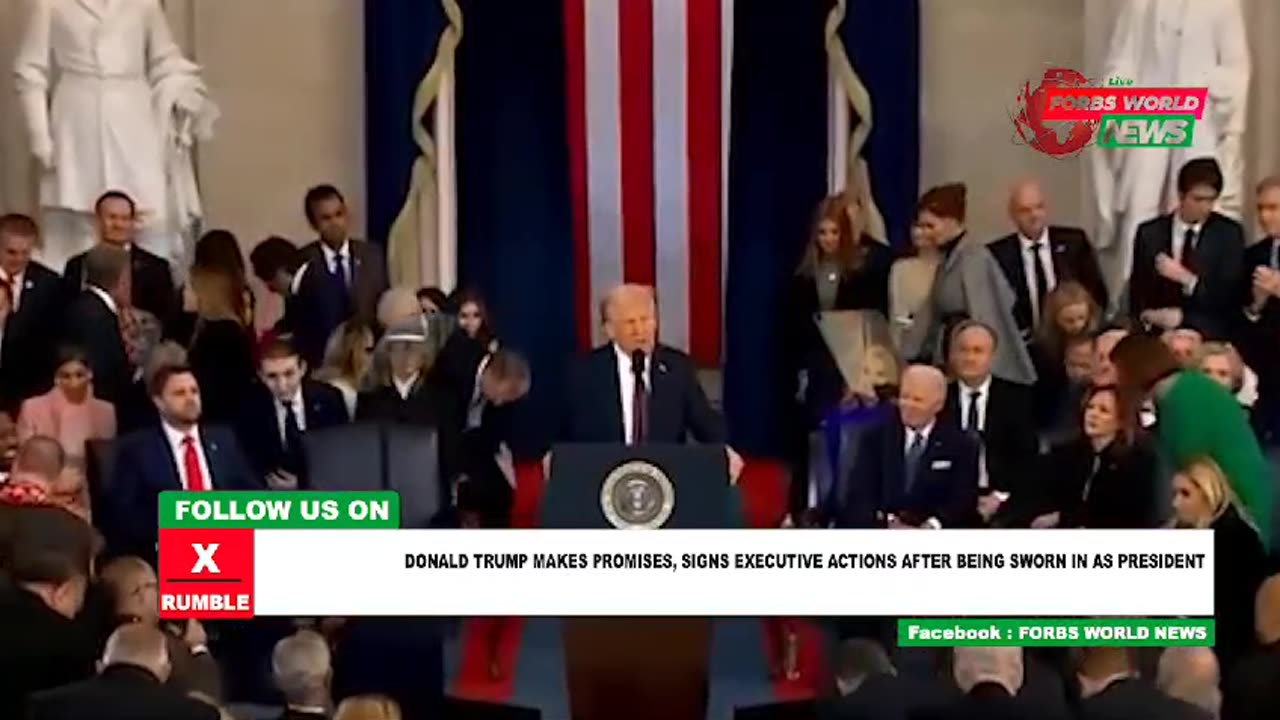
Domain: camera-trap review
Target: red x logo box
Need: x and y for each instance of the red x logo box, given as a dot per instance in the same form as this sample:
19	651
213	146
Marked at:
206	574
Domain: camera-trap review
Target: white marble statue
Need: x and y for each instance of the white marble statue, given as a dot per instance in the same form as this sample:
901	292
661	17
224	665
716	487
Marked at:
111	104
1171	43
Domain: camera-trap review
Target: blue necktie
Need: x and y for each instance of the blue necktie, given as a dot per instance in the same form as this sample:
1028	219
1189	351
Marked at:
915	453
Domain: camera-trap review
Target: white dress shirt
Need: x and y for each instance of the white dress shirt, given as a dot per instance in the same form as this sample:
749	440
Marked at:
475	408
966	399
627	387
331	258
1180	229
1029	257
179	450
299	412
404	387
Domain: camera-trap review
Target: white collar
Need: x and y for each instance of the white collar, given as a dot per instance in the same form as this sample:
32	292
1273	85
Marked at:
1042	238
924	432
404	387
983	389
14	278
308	709
176	436
294	400
624	360
105	297
329	253
1181	226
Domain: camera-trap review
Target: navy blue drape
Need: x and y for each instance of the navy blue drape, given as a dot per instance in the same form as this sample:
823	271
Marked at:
882	40
777	175
400	39
514	220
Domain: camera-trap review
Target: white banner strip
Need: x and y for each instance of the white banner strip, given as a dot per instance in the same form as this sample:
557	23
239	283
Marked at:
363	572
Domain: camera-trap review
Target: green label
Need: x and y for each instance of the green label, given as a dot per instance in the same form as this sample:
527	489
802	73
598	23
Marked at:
277	509
1056	632
1137	131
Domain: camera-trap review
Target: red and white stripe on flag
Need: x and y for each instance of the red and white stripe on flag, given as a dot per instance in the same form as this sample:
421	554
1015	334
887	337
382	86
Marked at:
647	85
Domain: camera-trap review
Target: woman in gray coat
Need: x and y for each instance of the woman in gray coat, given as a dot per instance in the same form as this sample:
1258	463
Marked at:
968	285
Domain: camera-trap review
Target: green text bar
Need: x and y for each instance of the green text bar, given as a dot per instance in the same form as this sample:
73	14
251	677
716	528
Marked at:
280	509
1056	632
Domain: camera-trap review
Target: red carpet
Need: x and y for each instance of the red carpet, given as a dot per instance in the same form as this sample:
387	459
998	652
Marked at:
764	500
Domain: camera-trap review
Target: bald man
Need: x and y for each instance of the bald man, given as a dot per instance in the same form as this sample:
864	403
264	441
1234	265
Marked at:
135	665
633	389
1037	257
913	471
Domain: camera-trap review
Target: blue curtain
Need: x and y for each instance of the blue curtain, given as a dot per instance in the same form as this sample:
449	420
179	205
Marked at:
882	40
777	174
400	38
514	218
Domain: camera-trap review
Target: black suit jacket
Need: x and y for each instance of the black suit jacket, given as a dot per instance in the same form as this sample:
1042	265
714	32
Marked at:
145	466
40	648
678	407
152	280
1073	259
1214	305
1251	691
307	309
1259	337
988	701
93	327
879	697
121	692
259	431
1121	494
1135	699
27	354
1008	433
945	487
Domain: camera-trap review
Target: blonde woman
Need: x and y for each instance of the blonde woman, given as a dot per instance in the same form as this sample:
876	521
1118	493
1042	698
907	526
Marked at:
1202	498
1223	364
348	357
367	707
221	347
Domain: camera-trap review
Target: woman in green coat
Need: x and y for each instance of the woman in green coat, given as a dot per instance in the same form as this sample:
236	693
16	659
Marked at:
1197	417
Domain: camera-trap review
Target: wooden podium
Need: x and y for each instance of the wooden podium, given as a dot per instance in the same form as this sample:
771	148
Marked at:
627	668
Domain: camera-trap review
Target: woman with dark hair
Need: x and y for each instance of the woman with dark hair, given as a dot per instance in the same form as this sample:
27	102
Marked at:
968	285
1106	477
472	340
217	252
220	347
1197	417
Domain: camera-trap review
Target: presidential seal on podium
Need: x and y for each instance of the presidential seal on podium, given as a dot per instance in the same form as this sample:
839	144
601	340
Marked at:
637	495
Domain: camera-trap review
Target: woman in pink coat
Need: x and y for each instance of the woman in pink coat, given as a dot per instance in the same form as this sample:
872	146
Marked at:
69	412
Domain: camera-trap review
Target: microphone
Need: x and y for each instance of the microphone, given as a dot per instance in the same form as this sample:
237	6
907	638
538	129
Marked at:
637	362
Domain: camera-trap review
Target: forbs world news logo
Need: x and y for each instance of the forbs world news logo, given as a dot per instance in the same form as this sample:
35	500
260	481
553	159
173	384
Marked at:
1066	113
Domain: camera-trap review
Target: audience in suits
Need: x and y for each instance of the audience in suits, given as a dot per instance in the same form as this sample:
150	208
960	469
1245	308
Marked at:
989	680
1187	264
302	668
70	412
1259	332
342	277
1104	478
1037	258
275	262
996	412
93	324
1111	689
968	285
1191	675
1251	690
130	686
914	471
45	555
178	453
33	294
151	287
279	409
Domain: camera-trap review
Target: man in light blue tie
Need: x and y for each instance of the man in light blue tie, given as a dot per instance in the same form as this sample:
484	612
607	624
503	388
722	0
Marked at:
913	471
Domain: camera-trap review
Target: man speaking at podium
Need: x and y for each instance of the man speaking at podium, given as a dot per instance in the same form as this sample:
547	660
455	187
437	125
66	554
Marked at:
634	390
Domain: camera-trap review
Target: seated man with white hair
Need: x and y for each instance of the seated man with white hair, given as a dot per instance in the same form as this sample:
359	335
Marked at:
1190	674
867	684
130	686
300	665
990	678
913	471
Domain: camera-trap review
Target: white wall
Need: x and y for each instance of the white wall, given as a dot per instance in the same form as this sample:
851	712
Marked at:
976	55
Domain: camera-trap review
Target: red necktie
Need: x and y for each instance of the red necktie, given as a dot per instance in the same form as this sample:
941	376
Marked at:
191	462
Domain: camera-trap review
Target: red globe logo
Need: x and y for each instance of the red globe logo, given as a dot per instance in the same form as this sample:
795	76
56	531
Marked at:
1059	139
